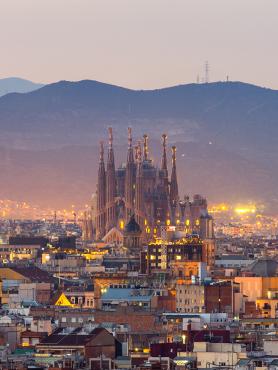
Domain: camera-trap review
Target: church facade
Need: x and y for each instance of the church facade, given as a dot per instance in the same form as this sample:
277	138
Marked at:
147	191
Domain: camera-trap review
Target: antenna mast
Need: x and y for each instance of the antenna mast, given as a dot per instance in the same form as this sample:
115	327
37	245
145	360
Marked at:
206	72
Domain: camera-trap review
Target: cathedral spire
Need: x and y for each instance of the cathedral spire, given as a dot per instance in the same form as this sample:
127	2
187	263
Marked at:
146	149
139	152
164	155
139	188
136	153
101	196
110	185
101	153
174	192
129	137
110	148
129	179
130	157
164	181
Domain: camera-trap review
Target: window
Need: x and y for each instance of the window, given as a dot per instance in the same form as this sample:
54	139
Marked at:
64	319
73	319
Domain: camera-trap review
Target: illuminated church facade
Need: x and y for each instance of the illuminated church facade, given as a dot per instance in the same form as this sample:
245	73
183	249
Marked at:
147	191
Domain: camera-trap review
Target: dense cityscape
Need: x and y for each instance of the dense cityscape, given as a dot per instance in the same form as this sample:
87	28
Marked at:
142	277
138	197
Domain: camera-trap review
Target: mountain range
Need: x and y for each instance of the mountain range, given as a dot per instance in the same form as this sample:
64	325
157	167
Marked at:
15	84
225	132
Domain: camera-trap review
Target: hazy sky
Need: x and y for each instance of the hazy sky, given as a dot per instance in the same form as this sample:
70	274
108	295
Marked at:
140	43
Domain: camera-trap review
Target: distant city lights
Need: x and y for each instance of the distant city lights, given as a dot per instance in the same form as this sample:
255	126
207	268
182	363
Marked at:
245	210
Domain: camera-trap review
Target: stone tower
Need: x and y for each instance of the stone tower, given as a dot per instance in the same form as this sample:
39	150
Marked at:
129	179
101	197
174	191
110	186
139	214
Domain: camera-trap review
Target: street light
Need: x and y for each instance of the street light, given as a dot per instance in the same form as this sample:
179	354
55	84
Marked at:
183	338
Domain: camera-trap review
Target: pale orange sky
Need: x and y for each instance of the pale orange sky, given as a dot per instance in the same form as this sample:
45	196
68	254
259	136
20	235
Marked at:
139	43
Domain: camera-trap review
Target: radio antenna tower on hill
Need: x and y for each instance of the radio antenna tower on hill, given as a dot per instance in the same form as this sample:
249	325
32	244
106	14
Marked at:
206	72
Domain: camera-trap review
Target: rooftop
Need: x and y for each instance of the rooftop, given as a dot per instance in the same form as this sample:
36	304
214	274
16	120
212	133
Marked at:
232	257
32	273
71	337
127	294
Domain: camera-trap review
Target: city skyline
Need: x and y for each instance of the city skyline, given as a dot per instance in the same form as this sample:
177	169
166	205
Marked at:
138	202
140	45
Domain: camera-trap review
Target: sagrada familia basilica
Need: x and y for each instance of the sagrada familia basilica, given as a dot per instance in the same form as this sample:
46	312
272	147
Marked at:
144	192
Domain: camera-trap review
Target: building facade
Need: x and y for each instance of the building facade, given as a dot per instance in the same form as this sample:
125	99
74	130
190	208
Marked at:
146	190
